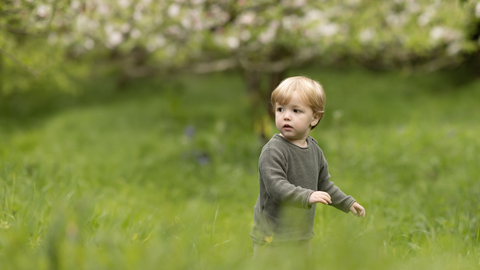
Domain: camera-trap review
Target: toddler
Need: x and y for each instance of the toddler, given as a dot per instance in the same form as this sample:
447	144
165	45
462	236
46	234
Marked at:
293	172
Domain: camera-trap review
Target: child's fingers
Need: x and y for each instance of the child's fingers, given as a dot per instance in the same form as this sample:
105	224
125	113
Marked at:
323	200
361	212
326	196
328	200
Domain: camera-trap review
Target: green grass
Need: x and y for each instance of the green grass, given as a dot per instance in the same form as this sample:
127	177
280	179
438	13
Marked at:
115	181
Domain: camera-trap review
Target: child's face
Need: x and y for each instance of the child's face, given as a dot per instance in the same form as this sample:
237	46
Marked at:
295	119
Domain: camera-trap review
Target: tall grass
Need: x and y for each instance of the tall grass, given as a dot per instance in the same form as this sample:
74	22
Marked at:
164	175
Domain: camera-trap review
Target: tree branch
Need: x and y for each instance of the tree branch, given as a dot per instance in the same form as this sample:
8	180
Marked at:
30	70
215	66
21	31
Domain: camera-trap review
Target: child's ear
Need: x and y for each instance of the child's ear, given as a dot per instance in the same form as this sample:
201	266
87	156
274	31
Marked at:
315	120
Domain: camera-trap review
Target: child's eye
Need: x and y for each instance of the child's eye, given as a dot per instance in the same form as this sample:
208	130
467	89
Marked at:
280	109
296	111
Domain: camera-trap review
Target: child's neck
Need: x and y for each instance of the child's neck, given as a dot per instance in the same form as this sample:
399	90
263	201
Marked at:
300	142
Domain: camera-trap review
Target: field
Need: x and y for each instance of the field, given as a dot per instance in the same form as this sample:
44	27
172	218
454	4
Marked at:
163	175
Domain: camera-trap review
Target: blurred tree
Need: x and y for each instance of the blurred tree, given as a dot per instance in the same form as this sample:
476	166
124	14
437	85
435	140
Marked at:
262	39
28	59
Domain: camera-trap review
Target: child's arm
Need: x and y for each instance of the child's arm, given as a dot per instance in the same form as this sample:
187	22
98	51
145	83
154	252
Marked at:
272	170
339	199
324	197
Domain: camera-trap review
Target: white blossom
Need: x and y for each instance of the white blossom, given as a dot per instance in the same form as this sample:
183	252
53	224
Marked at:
453	35
218	14
289	22
135	33
299	3
269	35
174	10
93	24
114	38
437	33
103	9
445	34
314	15
247	18
160	40
396	20
186	22
328	30
426	17
413	7
294	3
366	35
151	46
43	10
137	15
174	30
454	48
82	22
75	4
196	19
233	42
124	3
155	43
89	44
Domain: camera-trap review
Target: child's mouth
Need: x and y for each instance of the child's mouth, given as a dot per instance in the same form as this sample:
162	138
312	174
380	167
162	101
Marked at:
287	126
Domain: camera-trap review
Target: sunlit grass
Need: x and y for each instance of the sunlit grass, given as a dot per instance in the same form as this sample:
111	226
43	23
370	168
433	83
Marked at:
164	176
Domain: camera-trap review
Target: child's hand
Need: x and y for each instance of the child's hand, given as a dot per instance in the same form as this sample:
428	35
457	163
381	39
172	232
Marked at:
357	210
320	197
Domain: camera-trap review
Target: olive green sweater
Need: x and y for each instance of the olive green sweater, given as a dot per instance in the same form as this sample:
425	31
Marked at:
288	175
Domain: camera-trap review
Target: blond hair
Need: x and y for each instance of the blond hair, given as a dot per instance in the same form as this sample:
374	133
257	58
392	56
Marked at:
310	91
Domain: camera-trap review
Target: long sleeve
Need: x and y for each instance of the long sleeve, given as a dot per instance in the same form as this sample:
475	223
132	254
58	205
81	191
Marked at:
339	199
272	168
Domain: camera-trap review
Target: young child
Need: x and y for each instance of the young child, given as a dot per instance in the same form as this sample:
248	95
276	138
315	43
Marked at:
293	172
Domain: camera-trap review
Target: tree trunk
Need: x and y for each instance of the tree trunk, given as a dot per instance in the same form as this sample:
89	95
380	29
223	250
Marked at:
474	62
275	79
259	94
1	74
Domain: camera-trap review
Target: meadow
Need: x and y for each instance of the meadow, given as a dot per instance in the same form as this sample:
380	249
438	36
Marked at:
163	175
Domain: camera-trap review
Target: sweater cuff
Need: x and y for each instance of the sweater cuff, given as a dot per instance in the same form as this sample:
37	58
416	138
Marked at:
308	206
350	205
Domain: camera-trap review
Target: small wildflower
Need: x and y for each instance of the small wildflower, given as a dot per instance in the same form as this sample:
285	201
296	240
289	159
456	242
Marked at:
4	225
190	131
268	239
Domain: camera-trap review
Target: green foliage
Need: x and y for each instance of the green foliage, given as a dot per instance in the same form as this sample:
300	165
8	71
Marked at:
254	35
166	176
